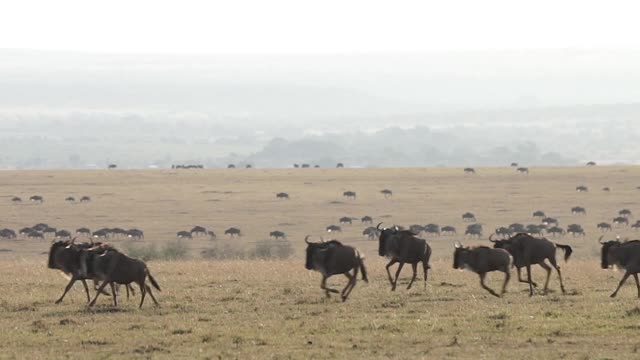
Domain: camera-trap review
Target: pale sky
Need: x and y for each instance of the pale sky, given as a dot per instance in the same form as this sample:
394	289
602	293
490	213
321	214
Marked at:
327	26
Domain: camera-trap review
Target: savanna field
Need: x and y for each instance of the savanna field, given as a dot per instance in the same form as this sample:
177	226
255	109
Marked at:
247	307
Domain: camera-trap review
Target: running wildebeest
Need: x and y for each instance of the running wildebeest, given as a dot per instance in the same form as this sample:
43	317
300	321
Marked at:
339	165
333	228
523	170
386	192
36	198
333	258
481	260
621	220
85	199
345	220
603	226
16	200
402	246
539	214
83	231
198	230
349	194
65	256
183	235
448	230
469	170
591	163
432	229
468	217
70	199
555	231
578	210
7	234
366	220
548	221
113	267
527	250
582	188
625	212
277	235
282	195
232	231
136	234
575	230
624	255
473	230
371	233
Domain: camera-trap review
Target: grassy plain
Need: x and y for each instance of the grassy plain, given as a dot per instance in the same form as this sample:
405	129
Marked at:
275	309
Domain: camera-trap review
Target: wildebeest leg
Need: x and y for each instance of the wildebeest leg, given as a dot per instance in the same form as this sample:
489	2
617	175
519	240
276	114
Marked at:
555	265
143	292
347	289
415	274
624	278
425	268
104	283
520	279
482	276
397	274
507	276
148	289
86	289
635	276
529	278
67	288
323	286
388	272
548	270
113	291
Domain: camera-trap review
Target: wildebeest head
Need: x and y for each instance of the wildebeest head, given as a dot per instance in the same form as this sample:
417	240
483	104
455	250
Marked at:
605	257
52	251
386	234
459	255
313	249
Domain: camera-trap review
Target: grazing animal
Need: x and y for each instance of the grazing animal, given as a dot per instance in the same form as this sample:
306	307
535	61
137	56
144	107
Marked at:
386	192
448	230
469	170
83	231
231	166
473	230
578	210
333	228
282	195
517	228
85	199
16	200
625	255
523	170
432	229
7	234
345	220
539	214
621	220
277	235
70	199
366	220
212	235
25	231
534	229
555	231
527	250
548	221
40	226
184	235
349	195
603	226
401	246
468	217
333	258
198	230
36	199
582	188
503	232
114	267
63	234
575	230
232	231
371	233
625	212
481	260
339	165
591	163
136	234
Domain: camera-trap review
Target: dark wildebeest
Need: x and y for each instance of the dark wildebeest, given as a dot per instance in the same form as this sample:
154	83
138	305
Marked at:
305	166
113	166
416	229
582	188
7	234
555	231
231	166
101	234
25	231
534	229
606	189
63	234
636	226
603	226
578	210
474	230
624	255
528	250
621	220
371	233
333	258
481	260
65	256
16	199
114	267
70	199
35	235
248	166
198	230
468	217
402	246
296	166
339	165
183	235
548	221
282	195
386	192
36	198
523	170
514	164
539	214
85	199
432	229
591	163
232	231
136	234
40	226
83	231
575	230
517	228
448	230
212	235
333	228
469	170
625	212
366	220
504	232
50	230
345	220
349	194
277	234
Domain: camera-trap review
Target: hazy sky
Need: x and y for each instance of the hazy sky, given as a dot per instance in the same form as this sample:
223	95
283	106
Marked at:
327	26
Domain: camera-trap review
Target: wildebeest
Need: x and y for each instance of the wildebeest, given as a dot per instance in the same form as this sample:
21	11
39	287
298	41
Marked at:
345	220
527	250
469	170
83	231
85	199
277	234
349	194
40	226
282	195
333	228
448	230
248	166
606	189
625	212
503	232
539	214
7	234
555	231
366	219
625	255
184	235
514	164
582	188
112	166
402	246
591	163
65	256
296	166
70	199
63	234
231	166
136	234
575	230
432	229
371	233
102	233
603	226
198	230
25	231
16	199
212	235
232	231
636	226
416	229
339	165
305	166
549	221
482	260
535	229
621	220
333	258
578	210
36	198
517	228
523	170
386	192
35	235
468	217
473	230
114	267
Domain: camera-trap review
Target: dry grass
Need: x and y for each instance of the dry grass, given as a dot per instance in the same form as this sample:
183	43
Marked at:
275	309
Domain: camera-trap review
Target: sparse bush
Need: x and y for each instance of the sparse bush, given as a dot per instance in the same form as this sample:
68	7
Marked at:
271	249
172	250
148	252
224	252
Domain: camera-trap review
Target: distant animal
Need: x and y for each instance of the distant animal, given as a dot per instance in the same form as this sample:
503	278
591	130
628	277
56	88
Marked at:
339	165
575	230
70	199
624	255
636	226
277	235
16	200
37	199
371	233
333	228
198	230
248	166
606	189
7	234
366	220
448	230
35	235
591	163
620	220
527	250
603	226
523	170
102	233
539	214
212	235
333	258
49	230
296	166
416	229
482	260
555	231
401	246
578	210
63	234
514	164
386	192
85	199
135	234
432	229
184	235
517	228
625	212
582	188
305	166
83	231
473	230
550	221
282	195
25	231
468	217
40	226
231	166
345	220
503	232
349	194
534	229
469	170
232	232
112	166
316	166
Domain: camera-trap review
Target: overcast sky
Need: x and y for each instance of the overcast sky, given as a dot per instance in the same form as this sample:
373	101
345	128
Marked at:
327	26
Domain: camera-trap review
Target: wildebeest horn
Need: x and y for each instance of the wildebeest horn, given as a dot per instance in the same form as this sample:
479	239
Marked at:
491	238
600	239
306	239
378	226
73	240
457	244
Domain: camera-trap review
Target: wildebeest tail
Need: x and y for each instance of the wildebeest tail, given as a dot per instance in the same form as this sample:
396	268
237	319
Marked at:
363	269
567	251
153	281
